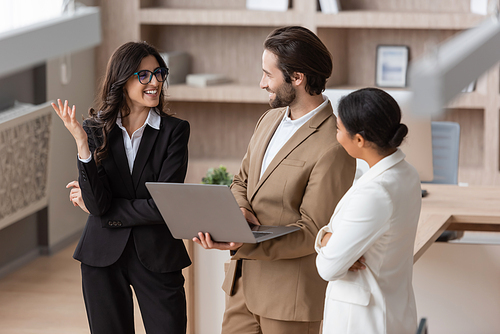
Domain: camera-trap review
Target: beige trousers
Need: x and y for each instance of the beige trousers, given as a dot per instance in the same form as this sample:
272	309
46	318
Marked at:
239	320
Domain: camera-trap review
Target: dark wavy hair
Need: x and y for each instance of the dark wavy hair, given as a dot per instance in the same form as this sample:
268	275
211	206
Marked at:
375	115
299	50
112	98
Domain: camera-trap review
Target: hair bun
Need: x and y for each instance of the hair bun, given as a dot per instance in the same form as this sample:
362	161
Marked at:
398	136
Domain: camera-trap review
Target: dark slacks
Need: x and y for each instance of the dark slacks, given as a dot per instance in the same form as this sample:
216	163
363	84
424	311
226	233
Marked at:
108	297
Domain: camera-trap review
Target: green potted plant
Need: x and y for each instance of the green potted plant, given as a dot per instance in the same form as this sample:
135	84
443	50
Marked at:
218	176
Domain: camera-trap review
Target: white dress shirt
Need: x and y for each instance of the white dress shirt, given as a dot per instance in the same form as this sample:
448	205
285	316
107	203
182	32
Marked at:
285	131
132	143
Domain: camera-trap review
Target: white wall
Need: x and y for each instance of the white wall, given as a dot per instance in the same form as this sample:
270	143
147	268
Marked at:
65	220
208	294
457	288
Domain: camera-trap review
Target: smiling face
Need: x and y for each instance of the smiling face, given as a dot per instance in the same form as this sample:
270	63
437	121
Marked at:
141	96
281	93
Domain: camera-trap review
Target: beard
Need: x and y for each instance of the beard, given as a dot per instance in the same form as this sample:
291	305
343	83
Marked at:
284	96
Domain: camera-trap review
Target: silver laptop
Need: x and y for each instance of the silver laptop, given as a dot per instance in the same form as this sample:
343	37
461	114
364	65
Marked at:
191	208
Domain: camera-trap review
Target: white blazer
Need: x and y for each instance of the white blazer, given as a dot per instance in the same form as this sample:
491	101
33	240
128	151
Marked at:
376	218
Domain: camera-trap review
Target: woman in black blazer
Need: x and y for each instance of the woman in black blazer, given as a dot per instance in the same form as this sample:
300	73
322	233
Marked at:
129	141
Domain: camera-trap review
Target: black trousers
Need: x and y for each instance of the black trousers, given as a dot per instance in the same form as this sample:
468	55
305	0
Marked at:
108	297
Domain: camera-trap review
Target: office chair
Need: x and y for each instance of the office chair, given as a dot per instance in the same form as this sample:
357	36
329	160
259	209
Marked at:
445	151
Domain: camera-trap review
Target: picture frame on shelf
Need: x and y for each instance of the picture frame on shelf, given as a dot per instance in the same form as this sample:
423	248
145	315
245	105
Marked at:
392	66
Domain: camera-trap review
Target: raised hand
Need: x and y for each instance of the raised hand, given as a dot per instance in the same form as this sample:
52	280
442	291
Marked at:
75	195
68	116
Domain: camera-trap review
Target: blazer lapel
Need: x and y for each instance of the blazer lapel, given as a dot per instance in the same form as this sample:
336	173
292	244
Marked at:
120	158
302	134
147	142
372	173
260	150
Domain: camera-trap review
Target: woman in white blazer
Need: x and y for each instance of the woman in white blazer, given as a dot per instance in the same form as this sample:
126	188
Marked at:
375	221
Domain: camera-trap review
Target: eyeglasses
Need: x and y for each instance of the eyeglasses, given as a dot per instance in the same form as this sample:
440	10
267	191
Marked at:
145	76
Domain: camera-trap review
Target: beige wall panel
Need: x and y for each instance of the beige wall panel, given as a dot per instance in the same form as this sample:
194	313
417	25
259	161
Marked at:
119	25
219	130
471	123
491	125
233	51
362	49
65	220
336	42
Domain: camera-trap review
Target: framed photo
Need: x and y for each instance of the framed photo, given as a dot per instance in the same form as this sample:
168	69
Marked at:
392	65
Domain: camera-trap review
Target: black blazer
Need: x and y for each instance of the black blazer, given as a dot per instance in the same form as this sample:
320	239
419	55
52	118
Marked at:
119	203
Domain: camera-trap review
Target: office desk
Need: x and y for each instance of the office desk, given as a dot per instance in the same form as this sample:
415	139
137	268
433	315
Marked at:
450	207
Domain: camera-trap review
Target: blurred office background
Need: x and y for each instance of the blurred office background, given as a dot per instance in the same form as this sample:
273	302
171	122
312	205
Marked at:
456	285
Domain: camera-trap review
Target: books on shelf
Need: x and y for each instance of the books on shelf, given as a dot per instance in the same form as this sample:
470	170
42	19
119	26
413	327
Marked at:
268	5
479	7
206	79
330	6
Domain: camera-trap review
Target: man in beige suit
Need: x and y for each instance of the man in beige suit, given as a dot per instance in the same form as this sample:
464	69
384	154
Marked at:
294	173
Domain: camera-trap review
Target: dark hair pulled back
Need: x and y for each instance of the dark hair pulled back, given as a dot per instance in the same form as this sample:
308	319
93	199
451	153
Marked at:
111	100
375	115
299	50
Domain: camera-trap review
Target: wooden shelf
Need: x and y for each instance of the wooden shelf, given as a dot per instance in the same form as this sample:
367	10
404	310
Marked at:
220	93
212	17
472	100
398	20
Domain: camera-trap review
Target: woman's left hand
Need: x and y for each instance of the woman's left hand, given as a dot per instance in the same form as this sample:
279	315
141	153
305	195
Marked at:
68	116
75	195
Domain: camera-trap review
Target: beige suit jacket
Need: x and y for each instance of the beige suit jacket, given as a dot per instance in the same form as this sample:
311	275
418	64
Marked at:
300	187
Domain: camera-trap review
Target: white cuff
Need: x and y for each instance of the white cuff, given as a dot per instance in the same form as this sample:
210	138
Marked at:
319	237
85	160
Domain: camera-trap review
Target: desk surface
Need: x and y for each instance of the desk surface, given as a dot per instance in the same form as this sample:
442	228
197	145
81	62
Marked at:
450	207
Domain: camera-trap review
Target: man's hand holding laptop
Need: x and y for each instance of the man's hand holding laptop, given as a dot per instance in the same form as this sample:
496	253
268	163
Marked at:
205	241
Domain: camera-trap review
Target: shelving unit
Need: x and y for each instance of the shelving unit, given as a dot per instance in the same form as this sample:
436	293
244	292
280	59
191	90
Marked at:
211	17
397	20
223	37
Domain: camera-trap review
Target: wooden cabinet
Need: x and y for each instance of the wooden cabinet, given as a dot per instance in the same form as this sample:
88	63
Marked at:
223	37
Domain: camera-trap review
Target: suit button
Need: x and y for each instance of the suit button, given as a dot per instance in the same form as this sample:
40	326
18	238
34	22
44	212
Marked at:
118	223
110	223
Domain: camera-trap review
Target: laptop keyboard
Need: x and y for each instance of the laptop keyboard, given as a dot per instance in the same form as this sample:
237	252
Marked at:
260	234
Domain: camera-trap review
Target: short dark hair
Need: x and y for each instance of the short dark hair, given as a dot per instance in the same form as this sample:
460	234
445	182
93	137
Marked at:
299	50
375	115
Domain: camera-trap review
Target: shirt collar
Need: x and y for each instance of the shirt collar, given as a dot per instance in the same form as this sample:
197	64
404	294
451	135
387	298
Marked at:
382	166
302	120
153	120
